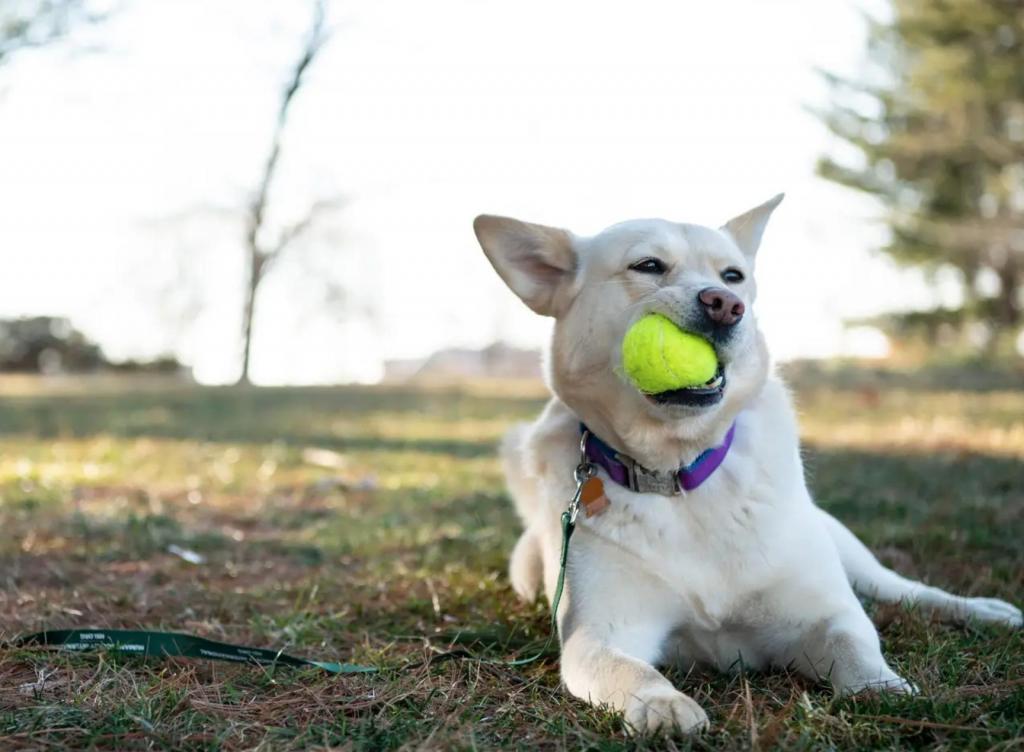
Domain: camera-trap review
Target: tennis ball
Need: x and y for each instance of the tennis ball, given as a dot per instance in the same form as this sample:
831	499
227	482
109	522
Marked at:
659	356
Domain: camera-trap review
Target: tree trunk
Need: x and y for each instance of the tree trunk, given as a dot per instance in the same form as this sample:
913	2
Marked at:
255	272
1009	306
260	251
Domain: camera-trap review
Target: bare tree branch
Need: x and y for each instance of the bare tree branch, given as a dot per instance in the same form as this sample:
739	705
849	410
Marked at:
296	230
257	210
261	252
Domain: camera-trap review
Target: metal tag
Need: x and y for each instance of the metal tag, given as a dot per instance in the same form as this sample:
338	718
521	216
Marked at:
592	497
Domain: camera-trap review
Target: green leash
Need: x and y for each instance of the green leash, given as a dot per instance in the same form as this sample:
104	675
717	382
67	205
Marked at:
568	526
179	645
176	644
584	471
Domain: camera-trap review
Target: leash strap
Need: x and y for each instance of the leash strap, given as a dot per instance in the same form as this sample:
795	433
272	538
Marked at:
584	471
568	526
176	644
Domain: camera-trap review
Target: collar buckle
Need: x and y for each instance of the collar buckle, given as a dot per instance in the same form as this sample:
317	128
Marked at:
643	480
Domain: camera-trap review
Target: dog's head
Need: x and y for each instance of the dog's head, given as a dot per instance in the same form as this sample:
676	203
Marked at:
597	287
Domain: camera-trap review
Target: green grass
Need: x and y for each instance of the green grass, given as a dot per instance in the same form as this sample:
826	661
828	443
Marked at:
387	544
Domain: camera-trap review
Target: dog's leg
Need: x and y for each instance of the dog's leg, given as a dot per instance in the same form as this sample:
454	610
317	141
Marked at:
526	567
521	484
606	671
844	649
614	624
875	581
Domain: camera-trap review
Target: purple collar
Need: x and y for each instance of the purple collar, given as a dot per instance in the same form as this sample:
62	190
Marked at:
629	473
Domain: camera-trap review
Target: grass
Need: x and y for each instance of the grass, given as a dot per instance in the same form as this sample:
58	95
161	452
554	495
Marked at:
371	525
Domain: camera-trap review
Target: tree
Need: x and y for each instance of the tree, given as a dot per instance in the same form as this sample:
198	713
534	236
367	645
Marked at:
264	246
45	344
937	126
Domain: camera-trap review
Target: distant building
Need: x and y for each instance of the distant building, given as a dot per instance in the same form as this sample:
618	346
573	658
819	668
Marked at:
497	361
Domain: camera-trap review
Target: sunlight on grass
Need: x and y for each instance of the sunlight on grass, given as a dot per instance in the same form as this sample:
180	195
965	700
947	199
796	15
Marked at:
986	423
372	525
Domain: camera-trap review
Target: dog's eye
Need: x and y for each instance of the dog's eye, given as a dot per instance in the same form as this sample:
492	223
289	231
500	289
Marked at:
732	275
649	266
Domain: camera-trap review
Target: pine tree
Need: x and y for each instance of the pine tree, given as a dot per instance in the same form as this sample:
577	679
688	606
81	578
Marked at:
937	126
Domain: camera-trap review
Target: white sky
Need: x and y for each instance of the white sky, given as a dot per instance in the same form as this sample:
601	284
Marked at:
123	169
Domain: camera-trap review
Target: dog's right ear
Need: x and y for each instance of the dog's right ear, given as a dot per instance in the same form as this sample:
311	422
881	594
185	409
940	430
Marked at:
538	263
747	228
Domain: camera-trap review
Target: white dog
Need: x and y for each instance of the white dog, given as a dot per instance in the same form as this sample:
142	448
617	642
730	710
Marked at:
725	564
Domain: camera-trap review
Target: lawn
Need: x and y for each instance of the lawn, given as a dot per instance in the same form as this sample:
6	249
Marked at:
371	525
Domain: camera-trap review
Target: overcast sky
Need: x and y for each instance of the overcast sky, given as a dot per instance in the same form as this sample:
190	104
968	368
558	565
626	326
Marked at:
127	152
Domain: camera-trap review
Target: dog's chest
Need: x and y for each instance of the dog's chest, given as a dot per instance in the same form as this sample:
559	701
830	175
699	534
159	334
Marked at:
715	549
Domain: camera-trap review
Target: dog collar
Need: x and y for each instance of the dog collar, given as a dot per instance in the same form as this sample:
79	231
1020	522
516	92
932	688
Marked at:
629	473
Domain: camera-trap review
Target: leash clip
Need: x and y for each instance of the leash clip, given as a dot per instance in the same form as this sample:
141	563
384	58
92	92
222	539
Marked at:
584	471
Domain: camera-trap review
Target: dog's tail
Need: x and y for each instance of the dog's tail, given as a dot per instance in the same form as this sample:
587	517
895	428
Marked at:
873	580
520	480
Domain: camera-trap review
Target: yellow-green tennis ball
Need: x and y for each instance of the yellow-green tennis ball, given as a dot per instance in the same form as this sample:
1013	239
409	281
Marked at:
658	356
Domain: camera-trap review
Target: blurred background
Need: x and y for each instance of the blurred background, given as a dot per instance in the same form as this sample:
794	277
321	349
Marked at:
281	192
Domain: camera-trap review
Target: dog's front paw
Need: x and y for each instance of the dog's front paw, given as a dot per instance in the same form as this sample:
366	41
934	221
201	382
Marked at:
893	684
991	611
655	709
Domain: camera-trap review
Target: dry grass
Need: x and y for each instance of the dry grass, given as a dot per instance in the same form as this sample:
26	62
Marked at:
386	544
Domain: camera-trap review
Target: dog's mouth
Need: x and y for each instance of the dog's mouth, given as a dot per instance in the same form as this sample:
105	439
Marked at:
702	395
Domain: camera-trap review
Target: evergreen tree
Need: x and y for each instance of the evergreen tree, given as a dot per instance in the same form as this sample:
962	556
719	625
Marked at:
937	126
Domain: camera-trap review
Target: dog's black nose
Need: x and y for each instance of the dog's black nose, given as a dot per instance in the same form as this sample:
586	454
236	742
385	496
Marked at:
721	306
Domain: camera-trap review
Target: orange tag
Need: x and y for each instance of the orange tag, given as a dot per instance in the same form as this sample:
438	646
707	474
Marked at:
592	497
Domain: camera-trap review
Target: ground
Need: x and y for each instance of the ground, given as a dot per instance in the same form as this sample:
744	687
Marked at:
371	525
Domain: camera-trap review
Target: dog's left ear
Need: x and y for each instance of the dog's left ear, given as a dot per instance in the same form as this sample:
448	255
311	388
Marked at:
747	228
538	263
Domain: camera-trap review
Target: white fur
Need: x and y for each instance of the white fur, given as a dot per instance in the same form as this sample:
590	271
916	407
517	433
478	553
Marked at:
744	570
